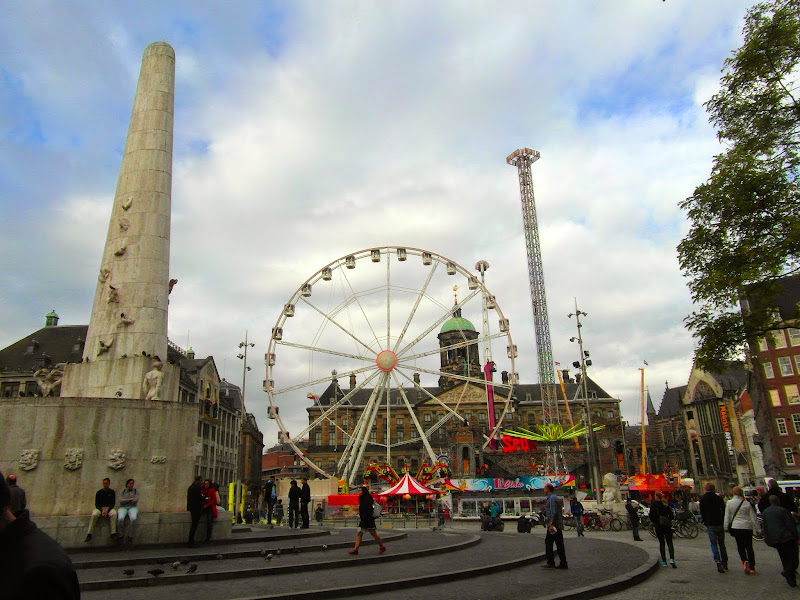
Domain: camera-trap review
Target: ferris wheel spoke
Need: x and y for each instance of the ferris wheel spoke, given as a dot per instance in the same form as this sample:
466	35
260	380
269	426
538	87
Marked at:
388	300
414	419
360	306
335	406
325	351
314	382
432	397
420	296
337	324
462	344
346	461
437	323
368	423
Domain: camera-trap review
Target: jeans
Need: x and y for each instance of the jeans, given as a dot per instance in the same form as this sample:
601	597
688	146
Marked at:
635	528
579	524
716	537
196	514
294	520
664	534
788	552
304	517
558	538
112	520
744	544
131	512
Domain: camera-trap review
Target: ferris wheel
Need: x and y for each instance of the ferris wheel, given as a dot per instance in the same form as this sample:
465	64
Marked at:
393	325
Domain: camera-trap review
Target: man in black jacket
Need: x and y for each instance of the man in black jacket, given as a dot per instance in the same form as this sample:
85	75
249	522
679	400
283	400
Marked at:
774	490
305	500
780	533
194	504
104	501
712	510
294	503
270	497
32	564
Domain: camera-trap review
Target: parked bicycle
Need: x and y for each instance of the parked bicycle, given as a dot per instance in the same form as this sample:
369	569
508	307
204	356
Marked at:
602	519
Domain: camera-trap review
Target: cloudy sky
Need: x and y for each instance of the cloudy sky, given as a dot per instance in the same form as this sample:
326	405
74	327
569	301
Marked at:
308	130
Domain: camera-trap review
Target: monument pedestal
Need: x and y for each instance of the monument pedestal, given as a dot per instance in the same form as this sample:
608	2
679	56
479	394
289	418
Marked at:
120	378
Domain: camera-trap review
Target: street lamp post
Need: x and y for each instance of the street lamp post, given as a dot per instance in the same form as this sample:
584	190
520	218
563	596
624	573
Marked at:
240	426
585	362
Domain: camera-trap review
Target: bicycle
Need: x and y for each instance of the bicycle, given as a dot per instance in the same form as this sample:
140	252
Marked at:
603	519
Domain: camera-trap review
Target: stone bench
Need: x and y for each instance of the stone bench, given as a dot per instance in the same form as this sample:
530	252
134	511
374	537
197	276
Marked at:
151	528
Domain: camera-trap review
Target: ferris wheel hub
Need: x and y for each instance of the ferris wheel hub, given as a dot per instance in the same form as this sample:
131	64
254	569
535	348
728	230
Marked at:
386	360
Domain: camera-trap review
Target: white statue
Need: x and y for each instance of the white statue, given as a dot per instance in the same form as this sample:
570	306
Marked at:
611	485
49	380
151	386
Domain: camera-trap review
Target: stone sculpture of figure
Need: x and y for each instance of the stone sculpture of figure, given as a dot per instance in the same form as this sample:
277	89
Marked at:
151	386
113	295
172	283
120	251
104	273
611	493
104	346
49	380
125	320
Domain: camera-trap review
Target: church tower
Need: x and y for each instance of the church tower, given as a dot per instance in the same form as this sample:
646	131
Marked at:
463	359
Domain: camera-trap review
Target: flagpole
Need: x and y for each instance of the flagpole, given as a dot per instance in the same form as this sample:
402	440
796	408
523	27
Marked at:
644	447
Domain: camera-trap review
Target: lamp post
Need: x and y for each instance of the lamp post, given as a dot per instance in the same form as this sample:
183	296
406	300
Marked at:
240	427
586	362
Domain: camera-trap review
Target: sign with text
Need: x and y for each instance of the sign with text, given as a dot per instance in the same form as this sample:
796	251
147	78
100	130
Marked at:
517	444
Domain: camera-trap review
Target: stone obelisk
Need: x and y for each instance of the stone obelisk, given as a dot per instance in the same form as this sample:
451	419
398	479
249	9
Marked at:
128	327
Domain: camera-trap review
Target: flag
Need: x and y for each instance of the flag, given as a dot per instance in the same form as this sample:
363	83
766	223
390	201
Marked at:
558	364
645	362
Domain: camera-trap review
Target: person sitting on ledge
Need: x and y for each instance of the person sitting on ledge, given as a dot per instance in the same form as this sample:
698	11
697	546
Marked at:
128	507
104	501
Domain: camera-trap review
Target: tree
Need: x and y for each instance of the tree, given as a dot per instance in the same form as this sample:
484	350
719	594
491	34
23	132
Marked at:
745	219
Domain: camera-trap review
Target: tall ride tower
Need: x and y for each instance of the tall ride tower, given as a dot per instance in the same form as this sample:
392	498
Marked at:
523	159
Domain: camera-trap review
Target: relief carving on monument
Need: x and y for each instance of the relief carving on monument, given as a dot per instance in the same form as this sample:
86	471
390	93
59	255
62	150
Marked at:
126	204
104	346
116	458
124	224
49	380
104	273
121	250
73	459
158	459
113	294
125	320
29	459
151	386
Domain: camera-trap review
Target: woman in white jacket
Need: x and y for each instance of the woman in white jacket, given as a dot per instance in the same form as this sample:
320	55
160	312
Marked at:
740	521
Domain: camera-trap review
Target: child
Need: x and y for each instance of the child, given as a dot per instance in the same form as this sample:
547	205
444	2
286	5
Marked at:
318	514
278	512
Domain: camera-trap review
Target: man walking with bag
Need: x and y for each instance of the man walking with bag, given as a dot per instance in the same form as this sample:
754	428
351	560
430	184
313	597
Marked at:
712	511
554	521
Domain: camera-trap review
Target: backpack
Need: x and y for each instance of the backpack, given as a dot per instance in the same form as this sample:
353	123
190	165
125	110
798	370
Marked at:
376	510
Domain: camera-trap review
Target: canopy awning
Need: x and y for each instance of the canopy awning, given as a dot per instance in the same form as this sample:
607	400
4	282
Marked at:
649	483
408	485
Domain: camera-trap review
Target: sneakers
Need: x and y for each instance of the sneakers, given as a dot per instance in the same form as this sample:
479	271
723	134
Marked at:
746	568
88	537
663	563
720	568
353	551
548	566
382	549
562	566
672	563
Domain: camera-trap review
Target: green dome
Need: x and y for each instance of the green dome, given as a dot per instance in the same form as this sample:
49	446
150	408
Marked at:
457	324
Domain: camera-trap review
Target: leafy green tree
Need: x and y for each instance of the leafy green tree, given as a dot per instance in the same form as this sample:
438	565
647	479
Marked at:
745	219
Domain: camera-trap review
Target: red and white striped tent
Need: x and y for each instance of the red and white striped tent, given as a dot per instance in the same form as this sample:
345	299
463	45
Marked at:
408	485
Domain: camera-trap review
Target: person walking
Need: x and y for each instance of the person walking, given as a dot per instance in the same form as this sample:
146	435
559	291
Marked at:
633	516
661	516
366	520
774	489
712	511
279	512
780	532
294	504
210	500
271	496
740	521
194	504
554	522
576	508
305	500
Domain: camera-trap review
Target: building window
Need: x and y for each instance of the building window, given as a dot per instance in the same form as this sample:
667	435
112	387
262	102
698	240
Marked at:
794	336
318	439
531	419
762	345
796	422
400	421
779	339
427	418
610	414
780	423
785	365
797	362
373	437
400	435
775	397
788	456
482	417
792	395
769	372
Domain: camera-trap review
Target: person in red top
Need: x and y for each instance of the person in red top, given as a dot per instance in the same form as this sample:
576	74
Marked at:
209	506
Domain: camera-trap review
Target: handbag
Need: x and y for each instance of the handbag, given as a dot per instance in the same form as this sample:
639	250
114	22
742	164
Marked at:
376	510
736	512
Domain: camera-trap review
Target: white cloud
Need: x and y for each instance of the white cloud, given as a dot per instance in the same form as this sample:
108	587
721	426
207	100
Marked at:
306	135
